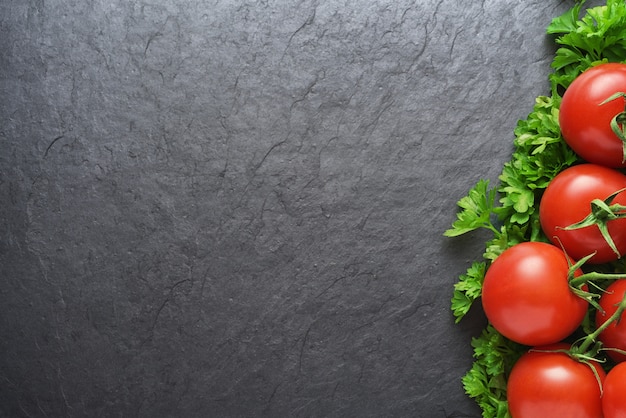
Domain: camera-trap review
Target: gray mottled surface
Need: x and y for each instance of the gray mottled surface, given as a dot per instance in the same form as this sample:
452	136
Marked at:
220	208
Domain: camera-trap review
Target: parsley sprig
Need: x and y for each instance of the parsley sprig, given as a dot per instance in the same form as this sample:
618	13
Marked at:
486	380
596	37
510	209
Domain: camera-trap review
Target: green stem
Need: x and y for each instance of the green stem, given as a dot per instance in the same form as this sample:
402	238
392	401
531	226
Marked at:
618	123
577	282
591	338
602	212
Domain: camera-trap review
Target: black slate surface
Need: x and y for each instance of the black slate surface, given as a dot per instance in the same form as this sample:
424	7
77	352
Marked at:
235	209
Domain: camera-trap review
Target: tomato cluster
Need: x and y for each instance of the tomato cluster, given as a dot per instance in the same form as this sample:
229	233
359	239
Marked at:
539	293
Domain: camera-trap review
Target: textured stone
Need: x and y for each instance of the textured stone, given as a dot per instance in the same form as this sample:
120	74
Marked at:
236	208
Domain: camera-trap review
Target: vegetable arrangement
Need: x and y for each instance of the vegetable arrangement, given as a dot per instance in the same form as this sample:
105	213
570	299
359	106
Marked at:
552	281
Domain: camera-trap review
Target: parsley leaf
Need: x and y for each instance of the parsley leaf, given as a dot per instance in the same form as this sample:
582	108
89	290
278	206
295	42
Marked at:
468	289
597	37
486	380
509	236
477	208
540	154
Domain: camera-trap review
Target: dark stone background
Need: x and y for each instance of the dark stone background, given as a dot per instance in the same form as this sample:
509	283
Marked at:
235	209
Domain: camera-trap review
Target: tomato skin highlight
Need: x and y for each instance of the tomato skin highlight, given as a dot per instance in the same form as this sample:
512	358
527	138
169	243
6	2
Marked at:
567	200
613	399
526	295
614	336
586	123
547	383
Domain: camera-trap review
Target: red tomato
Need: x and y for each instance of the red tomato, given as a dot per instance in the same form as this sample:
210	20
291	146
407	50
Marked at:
615	334
526	295
613	399
586	123
553	384
567	200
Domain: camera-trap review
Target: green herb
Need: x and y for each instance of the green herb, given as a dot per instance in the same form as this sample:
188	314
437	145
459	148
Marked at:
539	154
486	381
598	36
477	208
468	289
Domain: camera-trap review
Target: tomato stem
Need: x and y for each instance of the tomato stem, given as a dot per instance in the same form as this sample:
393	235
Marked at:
618	123
591	338
576	283
602	212
584	278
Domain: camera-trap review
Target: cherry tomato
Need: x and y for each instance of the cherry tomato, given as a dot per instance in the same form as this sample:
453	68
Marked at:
586	122
613	399
526	295
614	336
546	383
567	200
